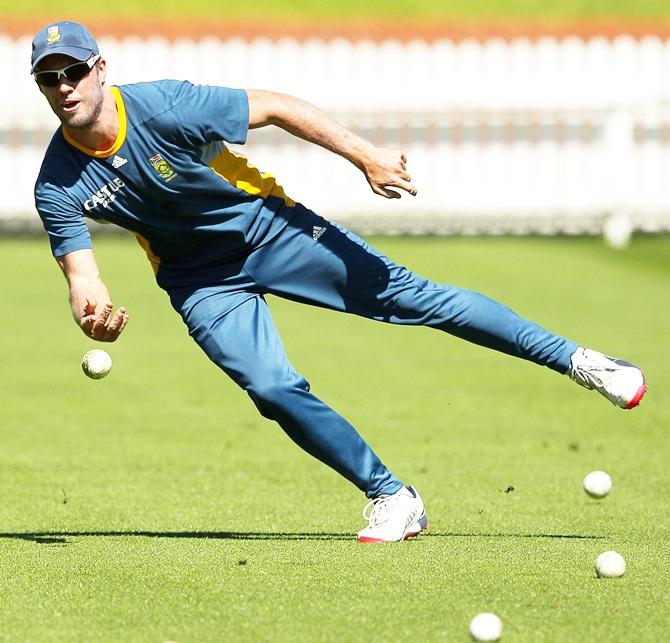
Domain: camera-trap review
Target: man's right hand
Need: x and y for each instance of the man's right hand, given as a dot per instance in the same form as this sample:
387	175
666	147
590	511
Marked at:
86	290
103	326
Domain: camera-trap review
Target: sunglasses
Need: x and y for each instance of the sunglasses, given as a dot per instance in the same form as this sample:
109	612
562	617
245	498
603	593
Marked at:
73	73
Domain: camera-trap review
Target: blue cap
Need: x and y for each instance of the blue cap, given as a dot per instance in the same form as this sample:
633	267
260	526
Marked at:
64	37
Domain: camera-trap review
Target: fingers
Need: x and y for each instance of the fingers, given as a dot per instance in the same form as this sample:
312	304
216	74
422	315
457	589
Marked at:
100	322
118	322
105	327
391	172
405	180
409	187
384	188
385	192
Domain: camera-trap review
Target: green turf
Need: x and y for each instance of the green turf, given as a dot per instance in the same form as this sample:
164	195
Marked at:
353	9
157	505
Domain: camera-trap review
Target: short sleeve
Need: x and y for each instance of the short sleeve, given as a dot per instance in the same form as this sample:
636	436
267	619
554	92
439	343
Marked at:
208	113
61	219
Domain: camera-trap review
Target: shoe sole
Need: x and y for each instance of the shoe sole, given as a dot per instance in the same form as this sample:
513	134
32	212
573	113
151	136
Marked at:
411	532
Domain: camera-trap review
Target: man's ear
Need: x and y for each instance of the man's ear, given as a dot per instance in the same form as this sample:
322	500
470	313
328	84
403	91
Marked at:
102	70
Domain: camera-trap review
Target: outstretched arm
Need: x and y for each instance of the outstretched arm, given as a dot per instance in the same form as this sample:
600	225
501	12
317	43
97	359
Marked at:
89	299
384	168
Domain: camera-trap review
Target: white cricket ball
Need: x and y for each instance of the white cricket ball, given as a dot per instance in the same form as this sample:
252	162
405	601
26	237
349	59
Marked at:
610	564
96	363
486	627
617	231
597	484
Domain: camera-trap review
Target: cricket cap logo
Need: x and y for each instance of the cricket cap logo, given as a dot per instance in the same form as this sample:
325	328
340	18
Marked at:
162	167
53	34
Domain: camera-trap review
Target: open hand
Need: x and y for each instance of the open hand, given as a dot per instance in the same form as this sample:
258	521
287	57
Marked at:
386	168
104	326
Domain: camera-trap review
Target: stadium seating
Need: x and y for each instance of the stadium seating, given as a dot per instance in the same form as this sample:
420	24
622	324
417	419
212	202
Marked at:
502	136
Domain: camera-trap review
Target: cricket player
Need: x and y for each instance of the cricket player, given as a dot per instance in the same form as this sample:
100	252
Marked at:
154	159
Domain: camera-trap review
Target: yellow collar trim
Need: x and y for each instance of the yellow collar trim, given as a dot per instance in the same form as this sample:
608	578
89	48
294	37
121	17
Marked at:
120	137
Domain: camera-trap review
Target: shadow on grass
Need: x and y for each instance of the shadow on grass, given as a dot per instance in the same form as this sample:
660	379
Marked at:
61	537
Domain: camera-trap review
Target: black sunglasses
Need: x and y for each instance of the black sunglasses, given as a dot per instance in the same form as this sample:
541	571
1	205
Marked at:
73	73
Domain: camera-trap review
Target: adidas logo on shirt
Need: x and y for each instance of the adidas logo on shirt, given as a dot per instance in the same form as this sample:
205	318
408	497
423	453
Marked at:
117	162
317	231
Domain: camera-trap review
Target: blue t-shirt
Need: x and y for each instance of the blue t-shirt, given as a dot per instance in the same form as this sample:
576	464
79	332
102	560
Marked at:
169	178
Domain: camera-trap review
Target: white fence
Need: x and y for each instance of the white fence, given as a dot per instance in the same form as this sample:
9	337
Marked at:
517	136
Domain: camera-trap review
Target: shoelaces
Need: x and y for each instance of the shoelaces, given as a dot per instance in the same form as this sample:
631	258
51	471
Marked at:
377	510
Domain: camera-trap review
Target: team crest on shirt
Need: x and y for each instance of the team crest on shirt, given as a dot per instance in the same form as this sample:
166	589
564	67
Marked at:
53	34
162	167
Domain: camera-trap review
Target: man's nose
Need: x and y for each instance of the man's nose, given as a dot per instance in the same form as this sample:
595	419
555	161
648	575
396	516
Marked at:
65	86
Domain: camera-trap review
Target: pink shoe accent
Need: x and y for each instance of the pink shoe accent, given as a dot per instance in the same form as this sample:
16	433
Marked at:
367	539
638	397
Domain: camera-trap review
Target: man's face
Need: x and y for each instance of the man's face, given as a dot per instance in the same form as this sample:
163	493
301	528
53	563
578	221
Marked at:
76	103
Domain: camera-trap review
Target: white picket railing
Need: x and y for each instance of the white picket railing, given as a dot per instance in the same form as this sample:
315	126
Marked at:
517	136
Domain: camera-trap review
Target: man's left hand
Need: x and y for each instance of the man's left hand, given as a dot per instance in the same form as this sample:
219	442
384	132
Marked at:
384	169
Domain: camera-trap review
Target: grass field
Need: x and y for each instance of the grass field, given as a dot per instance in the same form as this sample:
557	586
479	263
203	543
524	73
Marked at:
348	9
157	505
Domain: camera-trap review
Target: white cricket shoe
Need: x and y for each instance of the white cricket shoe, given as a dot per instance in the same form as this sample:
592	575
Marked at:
393	518
620	382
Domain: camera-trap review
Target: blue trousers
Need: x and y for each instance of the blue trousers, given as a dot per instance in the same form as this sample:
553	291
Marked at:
228	317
